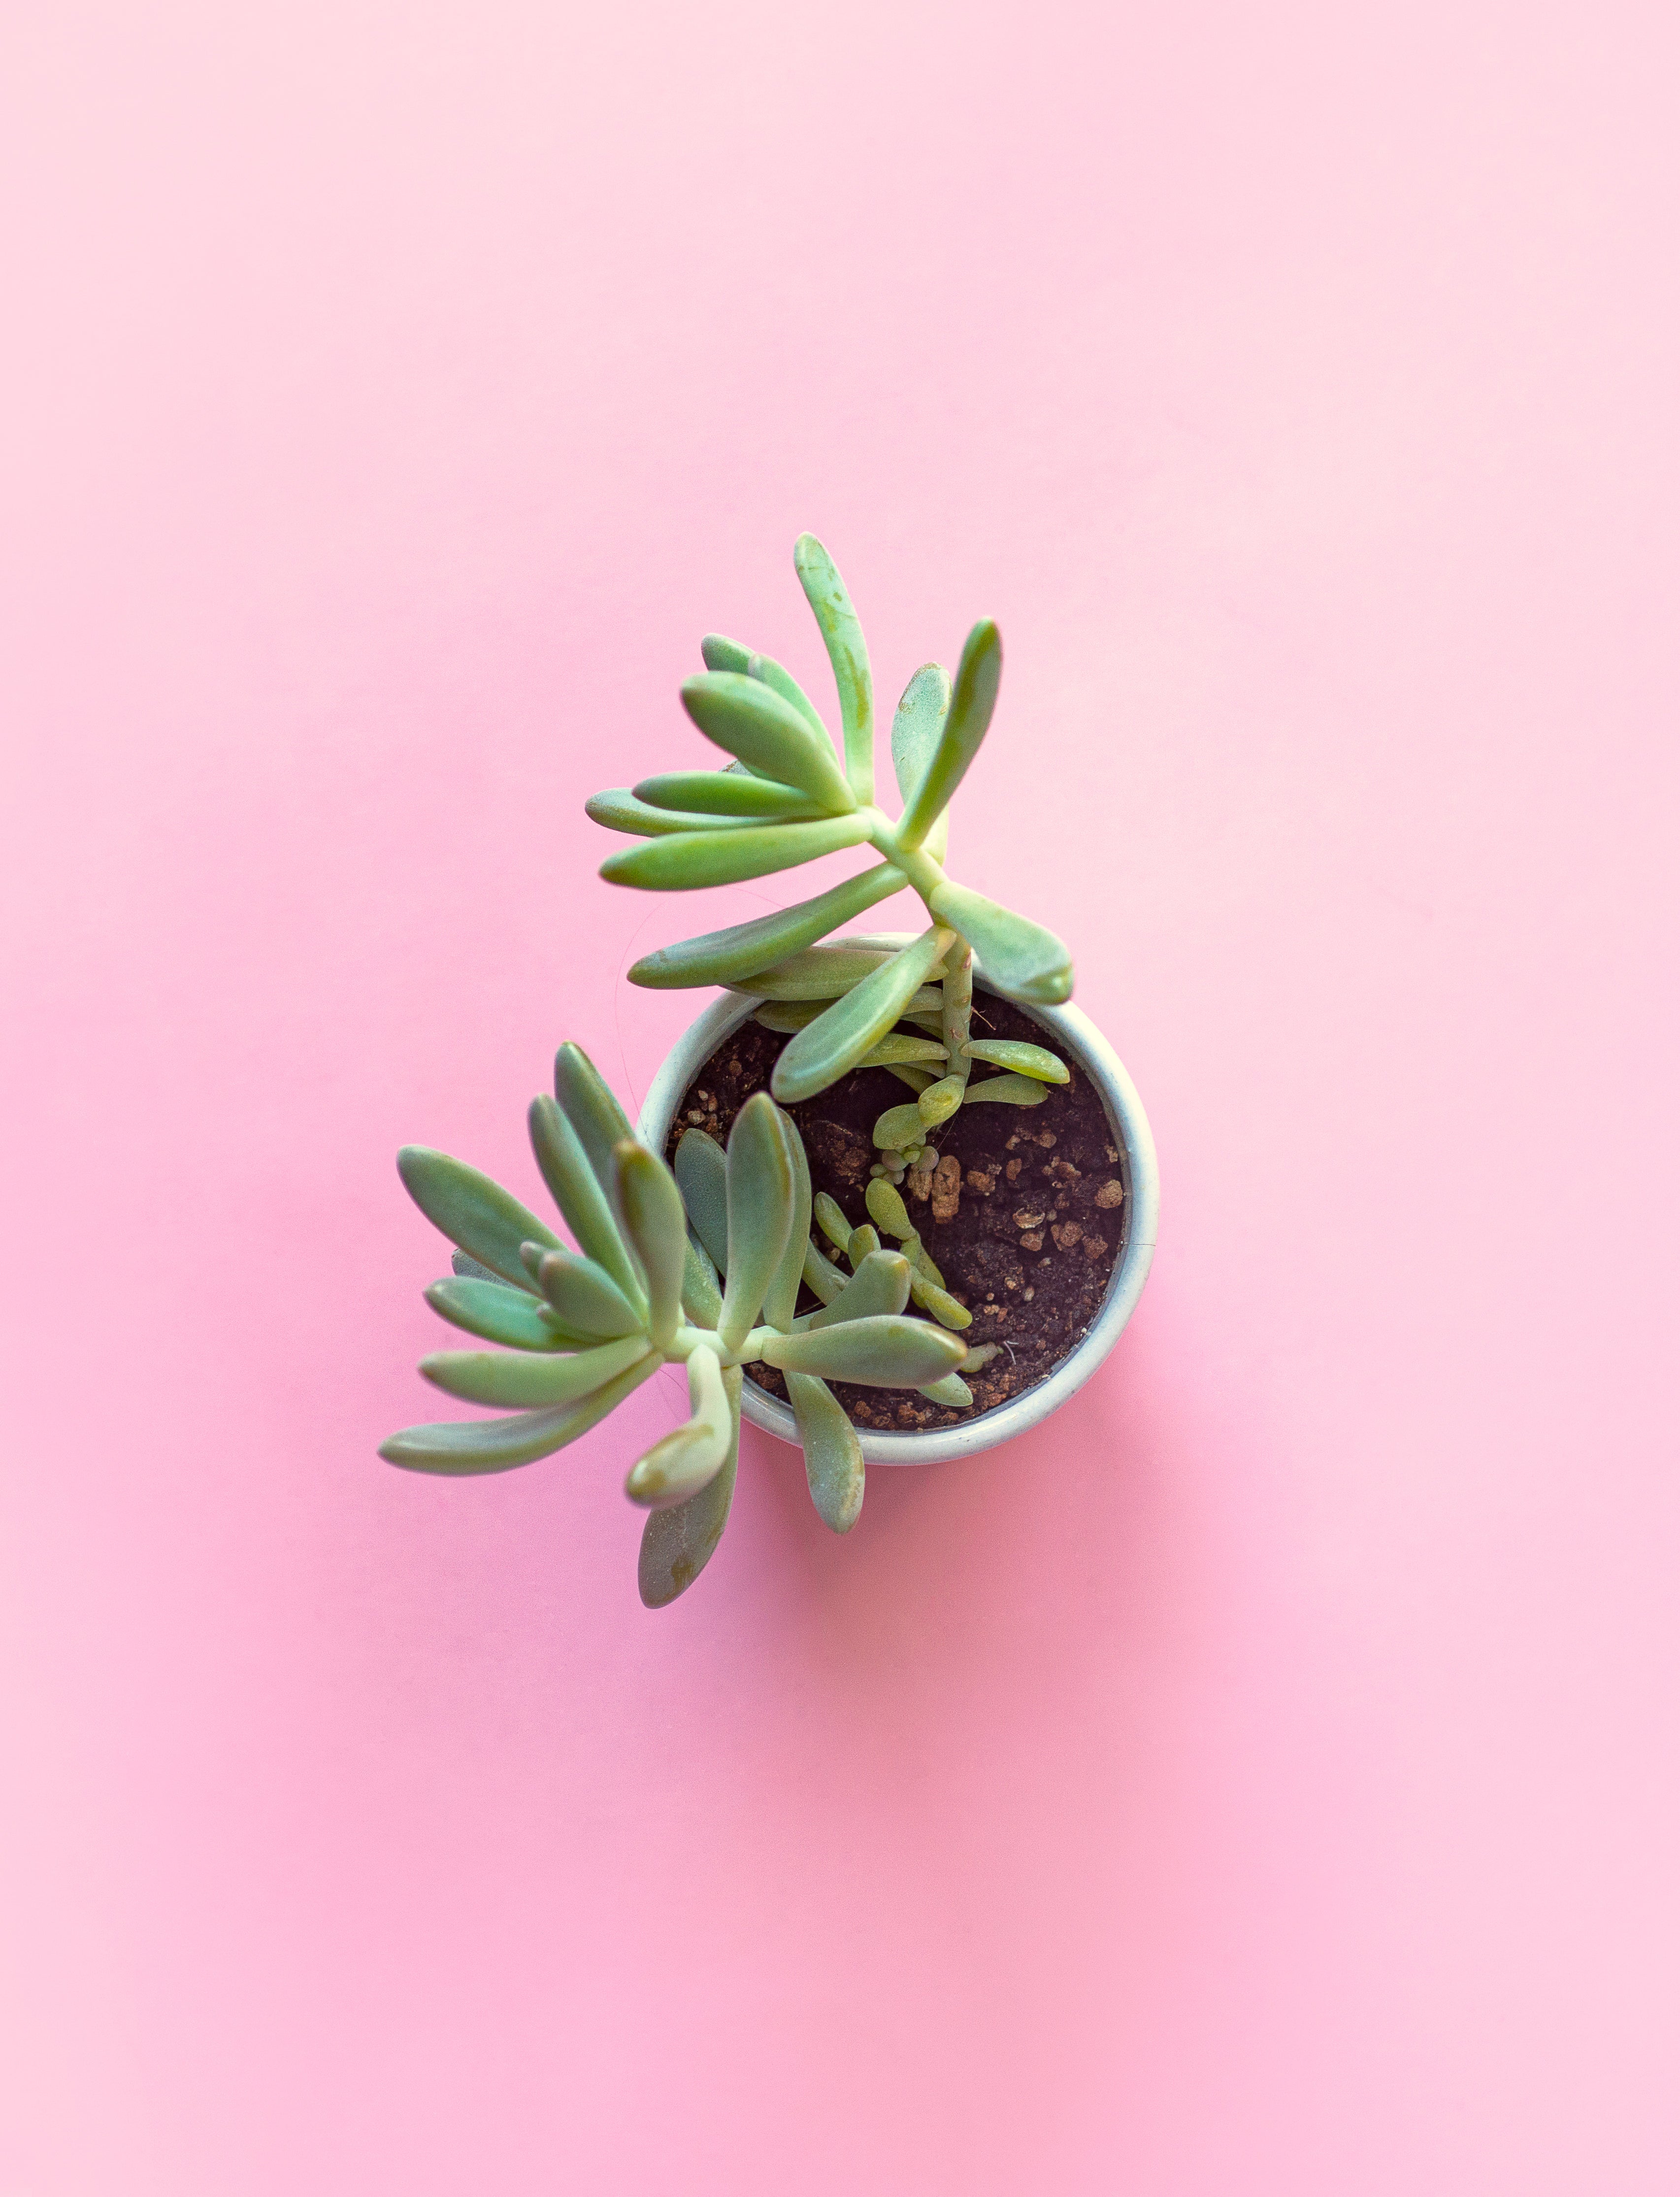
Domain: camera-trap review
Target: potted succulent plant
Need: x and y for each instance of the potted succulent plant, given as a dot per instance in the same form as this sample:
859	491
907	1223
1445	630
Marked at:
1021	1156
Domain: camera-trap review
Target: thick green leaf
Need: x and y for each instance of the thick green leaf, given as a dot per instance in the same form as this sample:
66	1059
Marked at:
783	1293
720	794
833	1454
1023	959
701	1298
940	1302
973	696
900	1125
861	1244
488	1222
887	1210
619	810
520	1381
680	1463
881	1285
822	1278
730	856
498	1314
916	724
727	957
783	681
918	1079
474	1446
790	1014
824	1050
897	1048
1006	1091
848	656
1032	1060
702	1176
751	721
953	1392
719	653
586	1297
940	1100
760	1185
821	972
582	1202
956	1017
590	1107
677	1545
649	1205
471	1269
833	1223
879	1353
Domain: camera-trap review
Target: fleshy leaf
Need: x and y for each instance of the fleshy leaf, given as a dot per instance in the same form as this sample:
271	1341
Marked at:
488	1222
822	1278
474	1446
1006	1091
701	1298
833	1454
582	1202
900	1125
1034	1060
677	1545
898	1048
777	675
586	1297
825	1212
619	810
749	720
727	957
783	1293
821	972
953	1392
498	1314
790	1015
824	1050
650	1208
860	1244
719	653
588	1104
522	1381
916	724
702	1176
940	1100
721	794
732	855
881	1285
879	1353
974	694
761	1211
680	1464
1023	959
848	655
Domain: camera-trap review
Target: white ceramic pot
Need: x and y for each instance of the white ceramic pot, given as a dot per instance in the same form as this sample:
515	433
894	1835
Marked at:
1074	1034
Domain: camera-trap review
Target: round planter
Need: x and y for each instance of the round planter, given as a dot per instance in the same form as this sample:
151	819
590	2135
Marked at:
1074	1033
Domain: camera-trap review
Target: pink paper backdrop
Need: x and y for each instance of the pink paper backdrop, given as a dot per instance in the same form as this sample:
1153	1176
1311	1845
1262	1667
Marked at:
1263	1781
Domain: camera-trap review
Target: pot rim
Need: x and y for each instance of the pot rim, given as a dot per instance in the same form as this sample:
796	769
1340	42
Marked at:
1125	1110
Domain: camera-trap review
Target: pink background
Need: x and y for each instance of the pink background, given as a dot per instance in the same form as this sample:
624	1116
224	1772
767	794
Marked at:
1263	1780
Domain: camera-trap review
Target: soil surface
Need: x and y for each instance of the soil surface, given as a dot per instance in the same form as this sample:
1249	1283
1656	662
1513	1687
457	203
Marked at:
1042	1206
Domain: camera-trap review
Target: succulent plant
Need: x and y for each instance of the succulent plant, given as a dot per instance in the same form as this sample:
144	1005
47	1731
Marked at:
702	1268
788	796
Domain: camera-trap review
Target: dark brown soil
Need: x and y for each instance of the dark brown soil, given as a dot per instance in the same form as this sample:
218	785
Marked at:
1042	1213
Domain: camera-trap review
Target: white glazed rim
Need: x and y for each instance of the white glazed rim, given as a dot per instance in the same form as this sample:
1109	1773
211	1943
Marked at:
1125	1109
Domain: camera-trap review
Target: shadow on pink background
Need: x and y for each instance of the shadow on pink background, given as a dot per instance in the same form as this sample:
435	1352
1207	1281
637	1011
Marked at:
1262	1783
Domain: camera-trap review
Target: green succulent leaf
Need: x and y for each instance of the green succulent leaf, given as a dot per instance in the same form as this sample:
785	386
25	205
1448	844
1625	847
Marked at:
729	957
899	1127
879	1353
861	1244
1032	1060
824	1050
822	1278
953	1392
916	724
586	1297
583	1203
1024	960
898	1049
455	1446
655	1225
940	1100
619	810
701	1298
702	1176
779	678
917	1079
973	696
848	654
791	1015
751	721
982	1353
940	1302
678	1543
833	1454
471	1269
731	856
520	1381
488	1222
881	1285
761	1212
719	653
783	1294
588	1104
821	972
1006	1091
498	1314
720	794
680	1464
825	1212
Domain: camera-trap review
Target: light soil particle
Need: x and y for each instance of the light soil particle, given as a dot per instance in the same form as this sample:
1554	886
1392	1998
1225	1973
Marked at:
1110	1195
1033	1243
947	1180
1067	1234
978	1181
1012	1171
1025	1220
1094	1246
